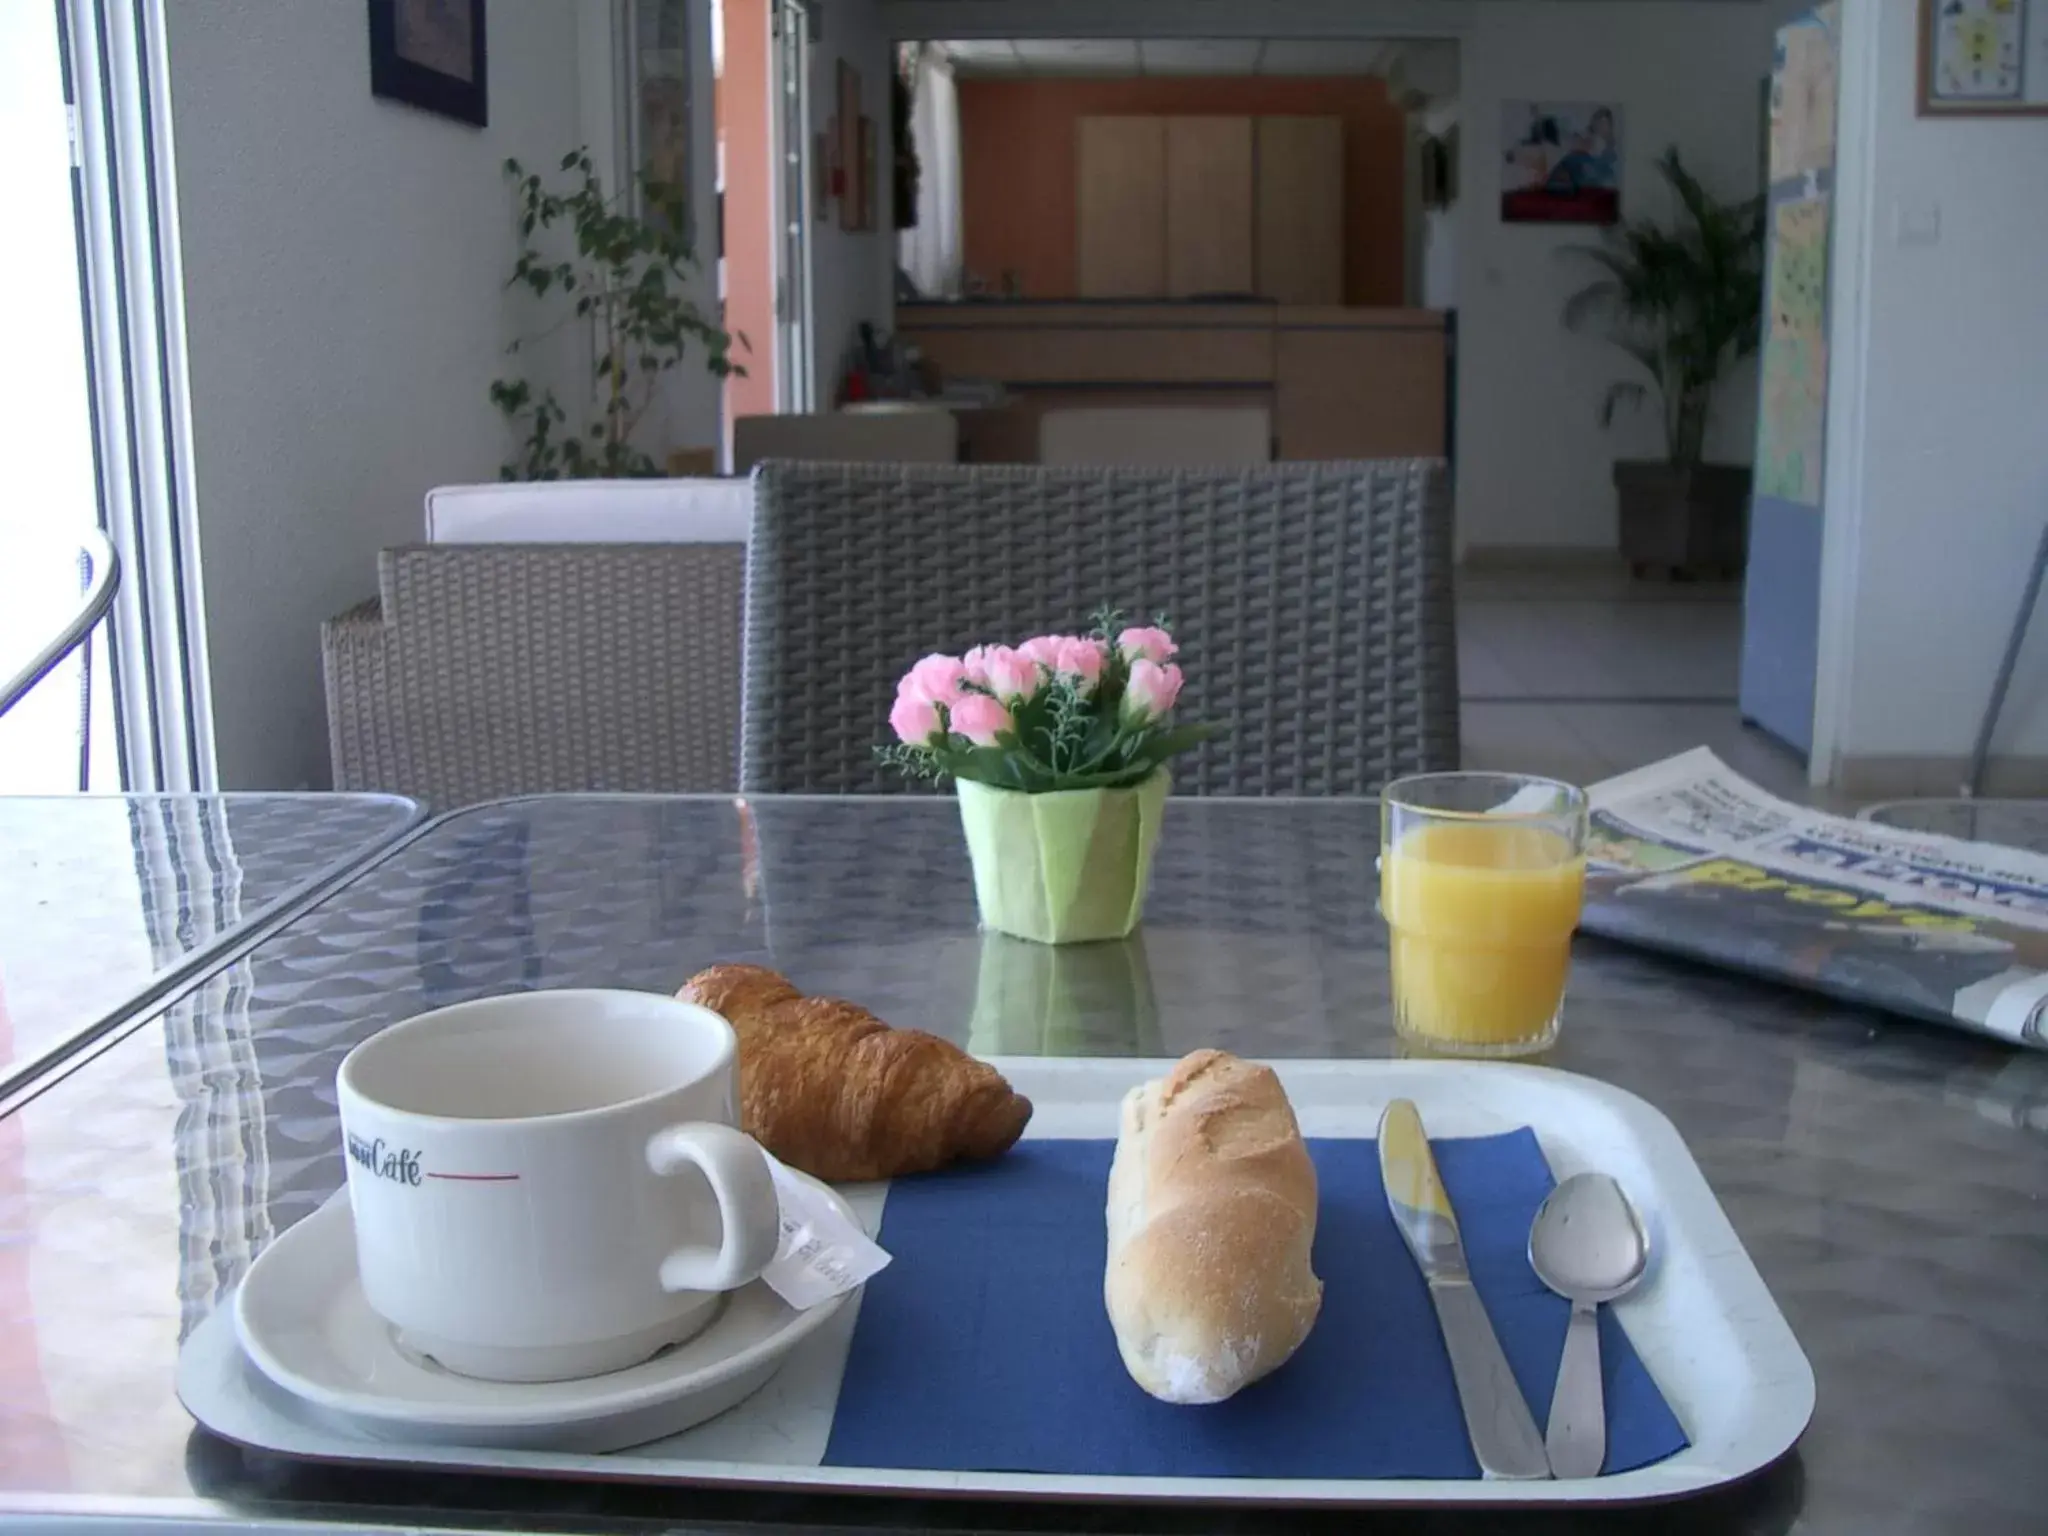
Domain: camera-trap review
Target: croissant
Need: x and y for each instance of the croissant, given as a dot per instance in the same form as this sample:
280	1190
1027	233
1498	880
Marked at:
832	1090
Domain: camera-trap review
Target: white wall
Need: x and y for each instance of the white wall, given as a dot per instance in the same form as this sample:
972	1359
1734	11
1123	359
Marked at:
853	276
1534	465
1937	495
1440	257
344	262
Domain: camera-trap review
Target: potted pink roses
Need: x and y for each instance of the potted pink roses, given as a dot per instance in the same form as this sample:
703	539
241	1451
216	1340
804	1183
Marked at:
1057	749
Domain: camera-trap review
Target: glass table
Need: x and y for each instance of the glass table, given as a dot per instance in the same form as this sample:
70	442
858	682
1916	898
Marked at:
109	904
1887	1177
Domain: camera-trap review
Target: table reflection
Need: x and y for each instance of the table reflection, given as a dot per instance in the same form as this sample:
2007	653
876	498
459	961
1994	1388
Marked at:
108	902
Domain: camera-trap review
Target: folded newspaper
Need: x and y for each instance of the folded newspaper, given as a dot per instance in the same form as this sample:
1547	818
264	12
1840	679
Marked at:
1689	857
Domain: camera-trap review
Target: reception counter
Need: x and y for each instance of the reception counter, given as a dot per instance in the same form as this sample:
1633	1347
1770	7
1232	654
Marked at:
1339	383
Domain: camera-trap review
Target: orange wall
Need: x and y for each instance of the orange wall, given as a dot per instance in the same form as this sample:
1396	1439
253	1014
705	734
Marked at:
744	127
1018	167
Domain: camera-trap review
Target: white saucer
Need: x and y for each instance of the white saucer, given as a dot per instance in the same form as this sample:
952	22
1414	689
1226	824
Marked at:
304	1323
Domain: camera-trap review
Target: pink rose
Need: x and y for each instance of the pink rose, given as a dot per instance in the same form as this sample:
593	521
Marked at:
1082	659
1044	649
980	718
934	680
1152	689
1011	675
1146	644
974	665
914	720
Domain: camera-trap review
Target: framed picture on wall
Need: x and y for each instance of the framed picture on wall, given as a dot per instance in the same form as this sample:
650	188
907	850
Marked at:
1984	58
1560	162
430	54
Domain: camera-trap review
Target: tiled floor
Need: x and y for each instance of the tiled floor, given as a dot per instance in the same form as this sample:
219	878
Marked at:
1586	674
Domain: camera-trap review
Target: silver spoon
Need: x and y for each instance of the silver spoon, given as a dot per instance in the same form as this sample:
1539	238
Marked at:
1588	1246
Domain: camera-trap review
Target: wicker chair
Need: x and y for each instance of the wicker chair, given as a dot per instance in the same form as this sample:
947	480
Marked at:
485	670
1313	603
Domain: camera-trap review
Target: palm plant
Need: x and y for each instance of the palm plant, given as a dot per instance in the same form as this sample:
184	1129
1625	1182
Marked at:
1685	302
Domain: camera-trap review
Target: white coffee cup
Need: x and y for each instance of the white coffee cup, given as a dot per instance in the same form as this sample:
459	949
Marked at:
549	1184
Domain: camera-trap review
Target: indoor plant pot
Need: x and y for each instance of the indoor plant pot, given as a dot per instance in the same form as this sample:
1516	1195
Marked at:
1058	748
1065	867
1687	521
1683	301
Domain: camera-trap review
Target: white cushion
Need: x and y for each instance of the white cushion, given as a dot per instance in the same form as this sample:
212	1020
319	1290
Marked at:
1164	437
591	512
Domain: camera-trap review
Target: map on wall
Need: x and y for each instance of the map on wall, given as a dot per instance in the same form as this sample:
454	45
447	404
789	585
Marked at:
1791	435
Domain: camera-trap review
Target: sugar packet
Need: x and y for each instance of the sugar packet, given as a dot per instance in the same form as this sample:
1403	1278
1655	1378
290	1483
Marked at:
821	1254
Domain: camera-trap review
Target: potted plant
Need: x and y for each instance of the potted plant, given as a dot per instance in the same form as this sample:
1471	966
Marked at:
1685	302
628	278
1058	749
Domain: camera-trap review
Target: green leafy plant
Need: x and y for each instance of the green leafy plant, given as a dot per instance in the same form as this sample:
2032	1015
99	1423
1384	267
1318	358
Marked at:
1685	302
628	279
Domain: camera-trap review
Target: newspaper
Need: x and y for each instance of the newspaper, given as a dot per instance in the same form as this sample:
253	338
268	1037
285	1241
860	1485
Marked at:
1689	857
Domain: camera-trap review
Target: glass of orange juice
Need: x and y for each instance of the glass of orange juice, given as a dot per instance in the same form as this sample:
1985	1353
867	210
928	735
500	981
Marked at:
1481	879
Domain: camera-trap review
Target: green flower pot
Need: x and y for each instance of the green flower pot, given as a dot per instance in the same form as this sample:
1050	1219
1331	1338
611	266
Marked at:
1064	999
1069	867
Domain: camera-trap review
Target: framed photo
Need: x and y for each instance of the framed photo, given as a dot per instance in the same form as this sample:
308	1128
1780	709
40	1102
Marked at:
1983	58
1560	162
430	54
852	195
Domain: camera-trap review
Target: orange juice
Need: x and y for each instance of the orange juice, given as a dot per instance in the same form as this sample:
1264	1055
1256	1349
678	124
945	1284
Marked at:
1481	919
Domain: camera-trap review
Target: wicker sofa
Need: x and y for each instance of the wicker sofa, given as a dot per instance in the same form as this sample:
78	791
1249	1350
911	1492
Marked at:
486	670
1315	600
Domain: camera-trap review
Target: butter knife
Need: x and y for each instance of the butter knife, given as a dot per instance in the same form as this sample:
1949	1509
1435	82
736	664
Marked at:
1504	1436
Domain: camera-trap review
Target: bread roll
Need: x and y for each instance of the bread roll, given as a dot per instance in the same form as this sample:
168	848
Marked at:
1212	1215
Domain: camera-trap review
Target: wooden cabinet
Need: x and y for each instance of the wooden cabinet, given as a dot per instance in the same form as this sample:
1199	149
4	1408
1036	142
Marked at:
1360	384
1181	206
1121	214
1300	210
1208	206
1340	383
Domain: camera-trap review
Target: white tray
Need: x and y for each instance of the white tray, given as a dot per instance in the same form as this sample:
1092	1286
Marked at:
1703	1323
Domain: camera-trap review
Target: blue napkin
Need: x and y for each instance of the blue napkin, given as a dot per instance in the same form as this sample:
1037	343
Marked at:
985	1347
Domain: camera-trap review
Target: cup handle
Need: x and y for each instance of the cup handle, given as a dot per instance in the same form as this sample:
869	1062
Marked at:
750	1218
